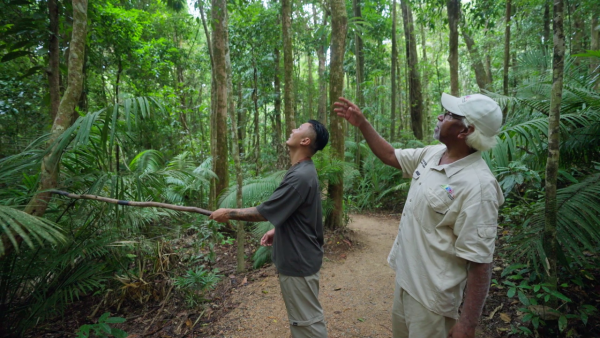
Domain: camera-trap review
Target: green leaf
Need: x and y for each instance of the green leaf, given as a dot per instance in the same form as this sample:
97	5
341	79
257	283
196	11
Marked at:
115	320
104	317
560	296
536	322
536	288
584	317
562	323
511	292
118	333
14	55
523	298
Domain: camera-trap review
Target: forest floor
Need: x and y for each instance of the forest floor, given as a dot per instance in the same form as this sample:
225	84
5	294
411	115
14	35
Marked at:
356	292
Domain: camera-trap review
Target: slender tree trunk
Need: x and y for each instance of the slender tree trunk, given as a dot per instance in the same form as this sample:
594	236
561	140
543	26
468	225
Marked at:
414	78
51	162
476	62
427	119
506	53
220	53
453	7
241	117
595	45
53	62
393	72
256	120
339	27
322	109
550	240
546	29
282	158
578	45
360	75
288	66
309	92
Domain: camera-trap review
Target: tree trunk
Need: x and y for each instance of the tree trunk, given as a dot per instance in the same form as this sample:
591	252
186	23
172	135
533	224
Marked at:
549	241
453	7
235	152
288	66
427	119
339	27
476	62
220	53
414	78
241	118
309	92
282	158
393	72
53	59
595	44
50	164
322	109
506	55
360	75
577	44
256	120
546	29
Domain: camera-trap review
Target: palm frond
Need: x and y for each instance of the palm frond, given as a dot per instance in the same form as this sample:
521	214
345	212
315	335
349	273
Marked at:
15	222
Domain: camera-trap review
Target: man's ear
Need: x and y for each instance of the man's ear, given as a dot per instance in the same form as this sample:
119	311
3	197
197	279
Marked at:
466	132
305	141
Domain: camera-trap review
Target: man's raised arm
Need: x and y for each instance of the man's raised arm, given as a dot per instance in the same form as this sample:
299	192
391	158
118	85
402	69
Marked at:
380	147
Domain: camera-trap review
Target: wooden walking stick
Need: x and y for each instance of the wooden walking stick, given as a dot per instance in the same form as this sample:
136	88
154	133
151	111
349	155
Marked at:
133	203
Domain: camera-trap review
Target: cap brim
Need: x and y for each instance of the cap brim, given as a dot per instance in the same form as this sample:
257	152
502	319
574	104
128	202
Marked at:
451	104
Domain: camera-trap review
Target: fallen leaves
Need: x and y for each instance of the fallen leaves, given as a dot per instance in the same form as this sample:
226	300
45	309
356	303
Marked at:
505	318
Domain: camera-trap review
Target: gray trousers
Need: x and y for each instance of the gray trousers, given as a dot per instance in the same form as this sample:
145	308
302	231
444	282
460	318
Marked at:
301	297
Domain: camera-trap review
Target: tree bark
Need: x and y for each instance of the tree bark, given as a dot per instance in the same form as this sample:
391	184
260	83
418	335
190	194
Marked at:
453	7
415	100
322	109
288	66
360	75
577	44
309	91
595	44
241	120
256	119
282	158
393	72
220	53
476	62
339	27
50	164
427	119
235	152
506	50
53	59
550	241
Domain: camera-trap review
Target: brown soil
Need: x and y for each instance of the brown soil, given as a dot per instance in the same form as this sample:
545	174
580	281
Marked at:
356	290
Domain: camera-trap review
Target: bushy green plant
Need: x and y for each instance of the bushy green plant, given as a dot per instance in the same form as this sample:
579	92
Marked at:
195	283
102	328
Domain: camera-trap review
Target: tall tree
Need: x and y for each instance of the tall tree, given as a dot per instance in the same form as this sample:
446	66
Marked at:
288	66
476	61
393	72
425	68
506	53
220	49
321	48
453	8
339	27
360	75
595	43
414	78
282	158
550	240
50	165
53	59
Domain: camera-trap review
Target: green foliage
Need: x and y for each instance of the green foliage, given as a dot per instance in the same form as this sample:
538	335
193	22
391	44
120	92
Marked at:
195	283
15	222
102	328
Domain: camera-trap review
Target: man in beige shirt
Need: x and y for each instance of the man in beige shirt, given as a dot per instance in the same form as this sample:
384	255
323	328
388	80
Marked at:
447	233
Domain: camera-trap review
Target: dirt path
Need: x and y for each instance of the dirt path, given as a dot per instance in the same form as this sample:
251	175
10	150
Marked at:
356	291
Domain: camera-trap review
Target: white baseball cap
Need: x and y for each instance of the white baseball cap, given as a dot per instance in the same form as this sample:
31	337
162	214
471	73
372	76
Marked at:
479	110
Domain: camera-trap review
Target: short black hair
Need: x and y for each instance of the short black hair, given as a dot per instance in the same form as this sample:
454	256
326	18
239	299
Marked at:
321	135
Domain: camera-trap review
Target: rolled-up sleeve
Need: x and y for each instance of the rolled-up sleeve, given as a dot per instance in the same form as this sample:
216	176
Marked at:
409	160
475	229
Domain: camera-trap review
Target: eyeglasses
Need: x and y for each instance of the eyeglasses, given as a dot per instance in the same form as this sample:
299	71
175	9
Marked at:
454	116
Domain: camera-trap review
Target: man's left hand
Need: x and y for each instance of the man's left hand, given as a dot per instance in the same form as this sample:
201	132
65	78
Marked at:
220	215
462	331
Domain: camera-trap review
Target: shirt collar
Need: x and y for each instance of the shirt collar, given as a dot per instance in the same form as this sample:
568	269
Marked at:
454	167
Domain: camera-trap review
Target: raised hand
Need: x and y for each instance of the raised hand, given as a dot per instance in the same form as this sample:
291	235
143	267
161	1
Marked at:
348	110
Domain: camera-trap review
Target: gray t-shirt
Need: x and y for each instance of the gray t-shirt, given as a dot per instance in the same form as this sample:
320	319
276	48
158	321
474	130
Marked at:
295	211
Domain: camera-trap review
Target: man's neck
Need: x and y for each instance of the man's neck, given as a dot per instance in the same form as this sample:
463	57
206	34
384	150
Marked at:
298	155
454	153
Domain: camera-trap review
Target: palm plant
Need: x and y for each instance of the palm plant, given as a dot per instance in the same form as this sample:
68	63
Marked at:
521	151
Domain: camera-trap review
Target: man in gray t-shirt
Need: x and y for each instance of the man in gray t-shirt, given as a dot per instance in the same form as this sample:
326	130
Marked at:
295	211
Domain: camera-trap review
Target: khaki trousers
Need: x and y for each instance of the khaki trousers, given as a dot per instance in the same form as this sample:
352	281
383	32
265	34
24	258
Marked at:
410	319
301	297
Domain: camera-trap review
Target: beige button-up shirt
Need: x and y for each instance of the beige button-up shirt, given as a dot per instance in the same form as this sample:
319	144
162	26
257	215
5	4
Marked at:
450	218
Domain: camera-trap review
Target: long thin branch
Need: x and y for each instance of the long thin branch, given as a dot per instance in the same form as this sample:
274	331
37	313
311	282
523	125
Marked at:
133	203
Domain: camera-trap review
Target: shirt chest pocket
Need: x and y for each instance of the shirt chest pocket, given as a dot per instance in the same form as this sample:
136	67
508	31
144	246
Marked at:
436	205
